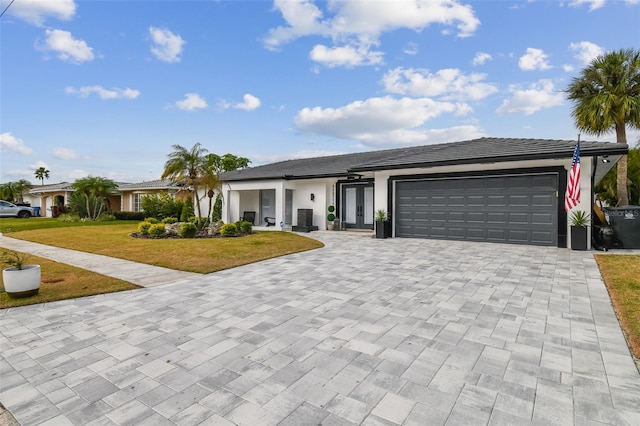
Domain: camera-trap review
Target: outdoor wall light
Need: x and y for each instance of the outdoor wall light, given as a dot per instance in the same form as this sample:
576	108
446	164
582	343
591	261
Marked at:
313	197
605	159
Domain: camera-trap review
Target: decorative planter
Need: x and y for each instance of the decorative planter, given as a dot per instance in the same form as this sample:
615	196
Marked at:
23	282
578	237
383	229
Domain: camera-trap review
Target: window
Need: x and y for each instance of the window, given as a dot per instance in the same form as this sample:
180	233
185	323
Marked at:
136	202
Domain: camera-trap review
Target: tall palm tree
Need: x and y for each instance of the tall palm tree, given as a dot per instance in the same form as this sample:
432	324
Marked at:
95	191
606	97
185	164
42	174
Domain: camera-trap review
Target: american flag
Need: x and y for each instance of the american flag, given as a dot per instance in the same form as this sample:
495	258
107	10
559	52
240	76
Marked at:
572	196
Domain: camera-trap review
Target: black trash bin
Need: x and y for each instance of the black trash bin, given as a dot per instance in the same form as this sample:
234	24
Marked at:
625	222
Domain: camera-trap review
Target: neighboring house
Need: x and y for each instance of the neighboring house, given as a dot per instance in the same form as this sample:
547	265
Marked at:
488	189
131	193
126	198
48	196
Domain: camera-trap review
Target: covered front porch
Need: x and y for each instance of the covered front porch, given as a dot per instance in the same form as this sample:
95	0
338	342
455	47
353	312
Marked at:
285	204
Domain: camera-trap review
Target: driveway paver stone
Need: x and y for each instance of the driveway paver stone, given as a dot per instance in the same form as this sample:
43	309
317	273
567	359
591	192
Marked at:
362	331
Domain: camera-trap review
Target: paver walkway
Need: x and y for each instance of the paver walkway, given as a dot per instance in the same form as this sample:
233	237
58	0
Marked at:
363	331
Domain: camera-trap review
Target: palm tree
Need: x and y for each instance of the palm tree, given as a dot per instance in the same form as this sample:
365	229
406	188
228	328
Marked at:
606	97
212	166
42	174
95	191
184	164
21	186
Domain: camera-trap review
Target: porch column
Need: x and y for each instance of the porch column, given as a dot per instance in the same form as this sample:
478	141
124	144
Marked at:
280	202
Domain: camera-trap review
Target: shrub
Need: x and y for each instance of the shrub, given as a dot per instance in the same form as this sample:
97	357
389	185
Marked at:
151	220
161	205
69	217
143	227
171	219
157	230
187	210
106	217
229	230
139	216
245	227
188	230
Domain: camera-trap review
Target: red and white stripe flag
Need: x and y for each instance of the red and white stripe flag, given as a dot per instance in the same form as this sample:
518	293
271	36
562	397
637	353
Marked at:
572	196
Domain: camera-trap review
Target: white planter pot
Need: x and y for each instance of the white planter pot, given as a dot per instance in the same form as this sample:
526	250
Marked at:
22	283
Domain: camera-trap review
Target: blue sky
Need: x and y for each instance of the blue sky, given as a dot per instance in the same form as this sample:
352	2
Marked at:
105	88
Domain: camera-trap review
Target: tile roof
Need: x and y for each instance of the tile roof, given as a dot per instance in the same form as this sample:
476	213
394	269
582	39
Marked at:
483	150
152	184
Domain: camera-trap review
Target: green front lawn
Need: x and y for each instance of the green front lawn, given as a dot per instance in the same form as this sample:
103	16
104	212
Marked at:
621	274
112	238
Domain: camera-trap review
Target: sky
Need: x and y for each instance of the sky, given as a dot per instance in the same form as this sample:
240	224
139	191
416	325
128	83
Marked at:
107	87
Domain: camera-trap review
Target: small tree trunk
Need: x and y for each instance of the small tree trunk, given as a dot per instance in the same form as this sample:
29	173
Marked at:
621	182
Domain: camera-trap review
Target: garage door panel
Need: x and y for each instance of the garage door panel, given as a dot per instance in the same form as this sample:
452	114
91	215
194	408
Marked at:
513	209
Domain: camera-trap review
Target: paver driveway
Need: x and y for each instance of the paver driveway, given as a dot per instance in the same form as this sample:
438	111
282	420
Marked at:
363	331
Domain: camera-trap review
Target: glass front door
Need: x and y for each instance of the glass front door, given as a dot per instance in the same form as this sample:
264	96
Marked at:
357	206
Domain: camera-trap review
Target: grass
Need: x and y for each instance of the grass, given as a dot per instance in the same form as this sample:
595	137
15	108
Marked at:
60	281
621	274
112	238
202	255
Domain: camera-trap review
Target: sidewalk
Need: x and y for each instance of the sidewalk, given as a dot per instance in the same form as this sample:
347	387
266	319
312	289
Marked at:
133	272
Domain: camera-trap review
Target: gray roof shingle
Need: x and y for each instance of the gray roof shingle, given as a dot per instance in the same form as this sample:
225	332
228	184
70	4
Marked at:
481	150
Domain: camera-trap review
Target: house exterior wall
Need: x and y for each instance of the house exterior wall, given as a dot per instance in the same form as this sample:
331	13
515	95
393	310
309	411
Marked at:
245	196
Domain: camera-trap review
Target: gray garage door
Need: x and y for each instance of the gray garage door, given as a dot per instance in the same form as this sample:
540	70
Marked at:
520	209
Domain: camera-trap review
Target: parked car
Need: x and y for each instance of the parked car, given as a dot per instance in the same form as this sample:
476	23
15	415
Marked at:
8	209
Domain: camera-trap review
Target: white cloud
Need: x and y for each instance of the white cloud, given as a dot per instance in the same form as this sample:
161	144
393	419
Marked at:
103	93
449	84
68	48
64	154
39	164
374	119
354	26
37	11
347	56
411	49
593	4
534	59
8	142
481	58
568	68
540	95
249	103
167	46
585	51
191	102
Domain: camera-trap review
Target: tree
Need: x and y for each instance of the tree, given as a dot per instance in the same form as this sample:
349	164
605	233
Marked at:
42	174
21	186
95	191
212	166
606	97
184	164
606	189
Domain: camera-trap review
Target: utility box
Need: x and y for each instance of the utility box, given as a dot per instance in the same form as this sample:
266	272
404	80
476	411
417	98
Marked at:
625	222
305	221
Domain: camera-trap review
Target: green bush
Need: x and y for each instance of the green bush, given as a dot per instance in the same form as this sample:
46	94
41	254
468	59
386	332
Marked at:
187	210
151	220
157	230
168	220
161	205
69	217
106	217
245	227
143	227
188	230
139	216
229	230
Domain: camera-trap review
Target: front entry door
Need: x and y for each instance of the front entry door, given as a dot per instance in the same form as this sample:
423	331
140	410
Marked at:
357	206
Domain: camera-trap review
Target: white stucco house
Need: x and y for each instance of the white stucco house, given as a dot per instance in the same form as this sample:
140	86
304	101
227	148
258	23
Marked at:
490	189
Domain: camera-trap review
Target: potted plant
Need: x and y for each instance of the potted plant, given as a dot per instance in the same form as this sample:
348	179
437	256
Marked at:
20	280
579	220
331	217
383	226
